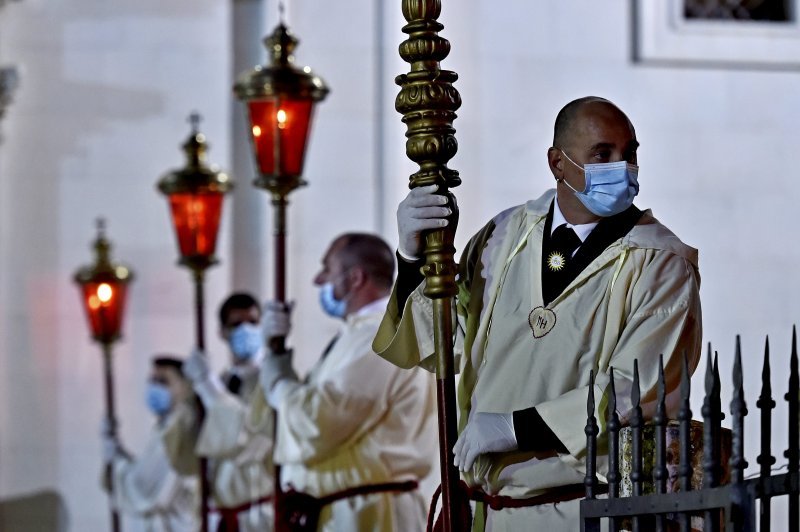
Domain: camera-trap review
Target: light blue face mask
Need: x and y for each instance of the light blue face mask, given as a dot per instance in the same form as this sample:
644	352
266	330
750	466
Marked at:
246	341
158	398
610	187
332	306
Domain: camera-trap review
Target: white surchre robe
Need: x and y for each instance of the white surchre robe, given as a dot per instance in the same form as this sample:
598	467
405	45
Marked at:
637	300
358	420
147	487
238	466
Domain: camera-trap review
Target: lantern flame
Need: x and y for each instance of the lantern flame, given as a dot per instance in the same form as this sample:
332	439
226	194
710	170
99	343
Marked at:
256	131
104	293
281	116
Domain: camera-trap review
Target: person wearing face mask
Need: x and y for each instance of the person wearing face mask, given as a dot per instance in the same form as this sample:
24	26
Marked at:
575	281
356	436
146	486
241	482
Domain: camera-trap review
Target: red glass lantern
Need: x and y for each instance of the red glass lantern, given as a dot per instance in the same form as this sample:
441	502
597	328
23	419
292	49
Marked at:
280	101
104	286
195	195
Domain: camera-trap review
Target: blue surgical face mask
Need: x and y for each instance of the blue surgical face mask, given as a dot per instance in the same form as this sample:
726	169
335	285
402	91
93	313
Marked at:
332	306
610	187
159	398
246	341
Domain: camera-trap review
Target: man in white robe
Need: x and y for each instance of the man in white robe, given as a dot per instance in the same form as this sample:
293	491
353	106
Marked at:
577	280
358	434
241	483
146	486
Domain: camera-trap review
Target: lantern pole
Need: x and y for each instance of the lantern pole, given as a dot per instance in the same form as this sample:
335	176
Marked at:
104	285
428	101
195	193
198	275
112	429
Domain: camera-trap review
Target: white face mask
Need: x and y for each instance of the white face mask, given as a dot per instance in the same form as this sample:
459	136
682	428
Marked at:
610	187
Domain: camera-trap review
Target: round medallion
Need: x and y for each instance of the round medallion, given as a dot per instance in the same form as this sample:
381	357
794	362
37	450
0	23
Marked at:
556	261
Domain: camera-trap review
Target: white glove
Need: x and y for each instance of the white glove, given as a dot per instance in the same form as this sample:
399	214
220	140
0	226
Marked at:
111	446
277	319
206	385
420	211
484	433
275	368
196	368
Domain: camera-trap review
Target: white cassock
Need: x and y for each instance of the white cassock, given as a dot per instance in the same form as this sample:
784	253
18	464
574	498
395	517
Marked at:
238	457
149	488
358	420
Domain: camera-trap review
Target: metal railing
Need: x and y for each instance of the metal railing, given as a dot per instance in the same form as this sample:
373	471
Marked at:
731	506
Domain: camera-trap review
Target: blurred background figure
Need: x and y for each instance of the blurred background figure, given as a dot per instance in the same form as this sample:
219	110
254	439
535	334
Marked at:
357	435
241	484
146	486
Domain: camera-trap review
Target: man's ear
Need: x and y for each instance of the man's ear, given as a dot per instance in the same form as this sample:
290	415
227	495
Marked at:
555	159
358	277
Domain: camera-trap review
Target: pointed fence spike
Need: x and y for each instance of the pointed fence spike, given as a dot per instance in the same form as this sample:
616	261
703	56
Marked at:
685	419
613	424
709	382
591	430
793	452
765	404
660	473
710	421
637	423
738	412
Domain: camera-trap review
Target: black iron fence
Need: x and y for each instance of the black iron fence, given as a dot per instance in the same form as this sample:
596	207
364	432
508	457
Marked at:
734	505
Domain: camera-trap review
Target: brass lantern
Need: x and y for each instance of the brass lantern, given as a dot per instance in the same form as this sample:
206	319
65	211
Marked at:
280	99
195	194
104	287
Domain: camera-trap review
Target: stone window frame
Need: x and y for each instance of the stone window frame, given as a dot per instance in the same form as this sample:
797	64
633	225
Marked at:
661	35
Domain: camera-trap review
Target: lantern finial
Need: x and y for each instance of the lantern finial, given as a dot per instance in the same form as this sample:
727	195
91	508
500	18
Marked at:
281	45
102	246
195	146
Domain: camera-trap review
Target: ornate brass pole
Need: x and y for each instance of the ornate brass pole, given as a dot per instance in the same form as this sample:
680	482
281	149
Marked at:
428	101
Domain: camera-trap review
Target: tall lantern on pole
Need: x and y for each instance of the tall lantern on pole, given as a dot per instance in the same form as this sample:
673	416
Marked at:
195	194
104	286
280	100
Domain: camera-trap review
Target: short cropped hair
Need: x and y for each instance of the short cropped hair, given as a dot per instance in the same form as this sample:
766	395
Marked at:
565	120
238	300
370	253
168	361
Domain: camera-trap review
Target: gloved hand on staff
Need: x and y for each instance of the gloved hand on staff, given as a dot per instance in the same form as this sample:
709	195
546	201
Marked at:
422	210
485	433
206	385
276	320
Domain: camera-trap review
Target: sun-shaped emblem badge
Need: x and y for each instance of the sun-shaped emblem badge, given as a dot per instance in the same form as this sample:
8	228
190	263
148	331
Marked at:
556	261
